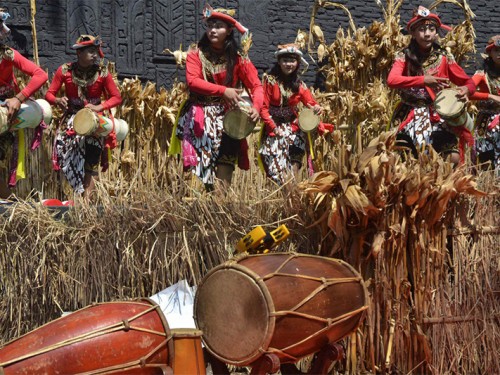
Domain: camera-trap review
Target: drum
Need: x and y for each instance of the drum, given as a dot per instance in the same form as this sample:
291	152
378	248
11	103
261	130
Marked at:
188	353
452	110
30	115
130	337
308	120
237	124
87	122
288	304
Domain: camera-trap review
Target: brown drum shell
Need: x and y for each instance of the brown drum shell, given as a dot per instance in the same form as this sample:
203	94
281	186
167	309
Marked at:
110	338
283	303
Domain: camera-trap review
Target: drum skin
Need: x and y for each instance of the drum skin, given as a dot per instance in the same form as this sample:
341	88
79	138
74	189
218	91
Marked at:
452	110
237	124
308	120
288	304
110	338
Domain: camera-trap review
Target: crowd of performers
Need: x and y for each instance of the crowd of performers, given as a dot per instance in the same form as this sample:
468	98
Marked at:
217	72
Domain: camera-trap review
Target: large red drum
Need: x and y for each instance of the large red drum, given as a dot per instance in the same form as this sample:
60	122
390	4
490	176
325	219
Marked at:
286	304
129	337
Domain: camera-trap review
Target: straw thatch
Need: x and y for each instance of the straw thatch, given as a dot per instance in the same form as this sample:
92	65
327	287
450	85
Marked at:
425	236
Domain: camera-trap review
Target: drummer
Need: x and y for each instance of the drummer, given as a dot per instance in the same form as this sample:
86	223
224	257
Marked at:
420	71
85	81
214	68
487	125
12	98
283	144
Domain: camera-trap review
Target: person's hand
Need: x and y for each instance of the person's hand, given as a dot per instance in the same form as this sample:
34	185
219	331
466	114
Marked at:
232	96
436	83
463	93
317	109
253	114
12	104
62	103
495	98
95	108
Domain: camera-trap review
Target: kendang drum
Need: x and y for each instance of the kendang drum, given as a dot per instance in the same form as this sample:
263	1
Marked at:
286	304
130	337
452	110
87	122
30	115
188	353
237	124
308	120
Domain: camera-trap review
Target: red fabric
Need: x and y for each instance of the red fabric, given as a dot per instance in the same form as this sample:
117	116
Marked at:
324	127
482	89
229	20
398	77
244	71
243	160
96	90
38	76
272	97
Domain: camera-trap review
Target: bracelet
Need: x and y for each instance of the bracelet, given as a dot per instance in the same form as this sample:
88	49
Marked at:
20	101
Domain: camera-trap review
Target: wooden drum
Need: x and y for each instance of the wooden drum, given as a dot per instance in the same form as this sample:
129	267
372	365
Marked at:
188	358
452	110
30	115
286	304
87	122
308	120
130	337
237	124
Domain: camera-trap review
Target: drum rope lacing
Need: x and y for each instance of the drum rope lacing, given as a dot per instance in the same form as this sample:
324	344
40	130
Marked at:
102	331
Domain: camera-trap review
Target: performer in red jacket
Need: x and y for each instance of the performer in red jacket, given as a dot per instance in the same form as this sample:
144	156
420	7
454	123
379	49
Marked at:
214	69
488	93
11	97
283	144
420	71
85	82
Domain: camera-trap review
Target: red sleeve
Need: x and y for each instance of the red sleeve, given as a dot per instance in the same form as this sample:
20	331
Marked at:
54	87
479	95
459	77
114	97
306	96
38	76
250	78
195	80
397	80
264	112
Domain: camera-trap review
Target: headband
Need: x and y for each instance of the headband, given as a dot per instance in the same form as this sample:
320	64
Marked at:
493	42
424	14
224	15
291	49
84	41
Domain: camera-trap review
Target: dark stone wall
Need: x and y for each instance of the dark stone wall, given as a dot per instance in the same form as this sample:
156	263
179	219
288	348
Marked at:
135	32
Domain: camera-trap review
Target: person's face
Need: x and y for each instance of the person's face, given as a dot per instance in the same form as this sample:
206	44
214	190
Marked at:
217	32
425	35
495	56
288	64
87	56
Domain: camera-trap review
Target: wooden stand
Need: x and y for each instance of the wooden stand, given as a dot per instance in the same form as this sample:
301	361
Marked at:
267	364
321	362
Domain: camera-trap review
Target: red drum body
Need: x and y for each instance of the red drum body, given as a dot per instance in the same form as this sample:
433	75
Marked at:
130	337
287	304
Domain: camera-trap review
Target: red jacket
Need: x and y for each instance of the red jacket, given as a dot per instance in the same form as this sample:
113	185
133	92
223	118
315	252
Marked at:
212	83
483	90
10	58
273	97
104	83
446	67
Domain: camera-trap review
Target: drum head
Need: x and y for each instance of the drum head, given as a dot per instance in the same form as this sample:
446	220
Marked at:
235	323
308	120
447	104
85	122
237	124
